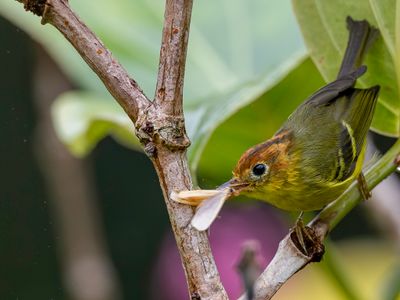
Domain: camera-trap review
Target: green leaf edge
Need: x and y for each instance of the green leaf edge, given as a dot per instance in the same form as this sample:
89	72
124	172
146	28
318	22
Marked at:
248	93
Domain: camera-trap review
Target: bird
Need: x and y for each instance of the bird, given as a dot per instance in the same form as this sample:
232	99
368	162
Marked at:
315	155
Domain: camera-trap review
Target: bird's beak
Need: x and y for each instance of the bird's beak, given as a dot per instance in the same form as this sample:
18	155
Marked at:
235	186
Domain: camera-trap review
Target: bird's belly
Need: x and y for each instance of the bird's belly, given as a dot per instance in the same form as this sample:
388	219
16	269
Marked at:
301	197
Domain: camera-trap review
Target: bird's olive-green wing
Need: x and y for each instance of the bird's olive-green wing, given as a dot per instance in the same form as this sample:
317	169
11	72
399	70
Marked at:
330	129
354	117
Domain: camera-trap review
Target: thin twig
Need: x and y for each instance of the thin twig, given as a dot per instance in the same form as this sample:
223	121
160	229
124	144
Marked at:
123	88
169	91
288	260
159	124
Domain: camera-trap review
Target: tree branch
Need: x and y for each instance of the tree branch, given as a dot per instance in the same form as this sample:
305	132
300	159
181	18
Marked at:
159	124
163	133
288	259
169	91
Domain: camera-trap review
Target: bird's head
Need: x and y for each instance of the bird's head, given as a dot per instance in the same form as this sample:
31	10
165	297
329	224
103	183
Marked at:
261	170
261	167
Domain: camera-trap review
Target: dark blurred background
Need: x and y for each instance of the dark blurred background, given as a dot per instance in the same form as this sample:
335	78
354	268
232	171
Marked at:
121	235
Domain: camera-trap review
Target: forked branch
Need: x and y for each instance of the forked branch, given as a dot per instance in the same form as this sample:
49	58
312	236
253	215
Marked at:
159	124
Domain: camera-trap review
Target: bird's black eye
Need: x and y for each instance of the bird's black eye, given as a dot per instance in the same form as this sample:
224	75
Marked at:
259	169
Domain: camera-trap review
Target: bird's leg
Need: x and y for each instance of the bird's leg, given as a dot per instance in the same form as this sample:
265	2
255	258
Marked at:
306	240
363	187
301	231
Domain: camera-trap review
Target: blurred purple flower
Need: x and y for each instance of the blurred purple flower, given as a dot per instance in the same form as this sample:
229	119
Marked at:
238	223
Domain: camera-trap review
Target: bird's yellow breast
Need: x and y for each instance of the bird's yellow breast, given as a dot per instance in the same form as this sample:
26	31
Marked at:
290	189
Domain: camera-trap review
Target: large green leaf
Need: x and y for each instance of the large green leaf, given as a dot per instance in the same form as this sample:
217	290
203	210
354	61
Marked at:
324	29
205	116
257	122
237	51
83	119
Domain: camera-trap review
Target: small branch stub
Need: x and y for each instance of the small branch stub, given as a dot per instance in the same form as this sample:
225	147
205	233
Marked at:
307	242
34	6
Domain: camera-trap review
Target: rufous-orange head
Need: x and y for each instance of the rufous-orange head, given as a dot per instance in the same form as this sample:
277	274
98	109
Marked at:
261	163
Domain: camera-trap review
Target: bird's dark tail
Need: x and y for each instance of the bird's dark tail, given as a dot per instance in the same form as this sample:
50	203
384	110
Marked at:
361	36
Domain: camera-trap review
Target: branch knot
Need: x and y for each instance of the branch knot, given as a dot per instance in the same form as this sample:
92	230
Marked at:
307	242
158	128
34	6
